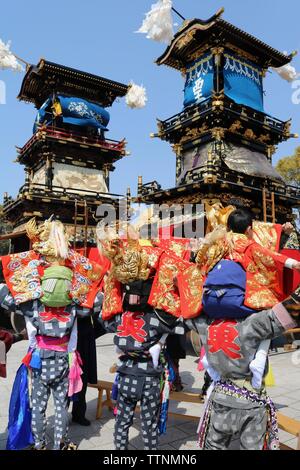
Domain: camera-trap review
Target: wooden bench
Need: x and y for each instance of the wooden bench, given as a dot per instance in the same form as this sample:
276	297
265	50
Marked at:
290	425
285	423
103	386
106	386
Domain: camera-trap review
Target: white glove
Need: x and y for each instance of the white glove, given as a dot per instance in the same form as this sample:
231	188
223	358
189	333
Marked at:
258	365
155	352
215	376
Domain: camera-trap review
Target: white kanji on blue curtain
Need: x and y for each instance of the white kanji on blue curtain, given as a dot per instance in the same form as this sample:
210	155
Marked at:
199	80
243	81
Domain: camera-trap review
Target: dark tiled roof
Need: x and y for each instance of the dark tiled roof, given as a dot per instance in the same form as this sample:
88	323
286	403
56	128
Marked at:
42	79
217	31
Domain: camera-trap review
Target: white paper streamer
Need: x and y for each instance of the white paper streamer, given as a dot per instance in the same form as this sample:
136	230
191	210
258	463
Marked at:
287	72
136	96
7	59
158	24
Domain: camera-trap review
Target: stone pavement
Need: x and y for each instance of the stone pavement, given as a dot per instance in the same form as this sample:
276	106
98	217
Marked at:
181	434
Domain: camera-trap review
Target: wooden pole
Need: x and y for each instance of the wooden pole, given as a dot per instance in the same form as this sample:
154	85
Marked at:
9	236
21	60
75	225
86	221
177	13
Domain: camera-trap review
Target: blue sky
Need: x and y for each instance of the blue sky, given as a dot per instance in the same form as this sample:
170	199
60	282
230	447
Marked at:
98	36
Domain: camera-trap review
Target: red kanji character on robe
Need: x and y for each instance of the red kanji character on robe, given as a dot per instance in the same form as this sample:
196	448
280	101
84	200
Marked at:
221	337
54	313
132	325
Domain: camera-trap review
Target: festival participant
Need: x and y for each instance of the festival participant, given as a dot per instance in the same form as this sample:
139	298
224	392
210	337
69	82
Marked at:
50	285
88	329
175	347
7	339
140	331
269	235
229	289
234	406
239	277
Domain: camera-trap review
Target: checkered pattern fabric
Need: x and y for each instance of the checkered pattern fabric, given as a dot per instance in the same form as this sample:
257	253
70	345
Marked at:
230	357
140	341
53	376
225	422
131	390
56	327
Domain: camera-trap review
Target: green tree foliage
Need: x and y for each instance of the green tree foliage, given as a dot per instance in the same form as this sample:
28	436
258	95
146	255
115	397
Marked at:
289	168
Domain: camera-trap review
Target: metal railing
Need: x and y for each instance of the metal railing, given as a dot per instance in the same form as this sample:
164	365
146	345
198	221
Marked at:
187	114
255	116
249	181
63	134
202	108
198	174
42	190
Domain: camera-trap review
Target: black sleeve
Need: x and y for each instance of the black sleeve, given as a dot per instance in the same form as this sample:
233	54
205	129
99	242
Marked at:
110	325
166	318
99	329
6	299
283	239
17	337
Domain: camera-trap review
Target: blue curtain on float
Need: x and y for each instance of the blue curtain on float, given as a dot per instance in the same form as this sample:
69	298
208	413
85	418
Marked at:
199	80
243	81
19	423
44	115
73	110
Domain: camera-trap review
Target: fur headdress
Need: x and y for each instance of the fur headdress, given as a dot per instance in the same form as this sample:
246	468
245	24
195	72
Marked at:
218	215
217	243
49	239
129	260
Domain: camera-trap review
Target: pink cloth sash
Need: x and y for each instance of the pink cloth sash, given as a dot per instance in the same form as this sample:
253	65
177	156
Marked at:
202	354
75	381
61	345
53	344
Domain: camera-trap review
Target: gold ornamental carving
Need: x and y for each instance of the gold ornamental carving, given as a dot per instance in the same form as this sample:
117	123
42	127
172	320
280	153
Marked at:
196	54
242	53
249	134
187	199
287	128
235	127
218	101
217	50
226	199
271	150
218	133
193	133
264	138
160	126
183	72
186	39
177	148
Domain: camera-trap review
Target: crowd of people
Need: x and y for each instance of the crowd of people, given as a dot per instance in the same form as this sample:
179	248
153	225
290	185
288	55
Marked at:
228	288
